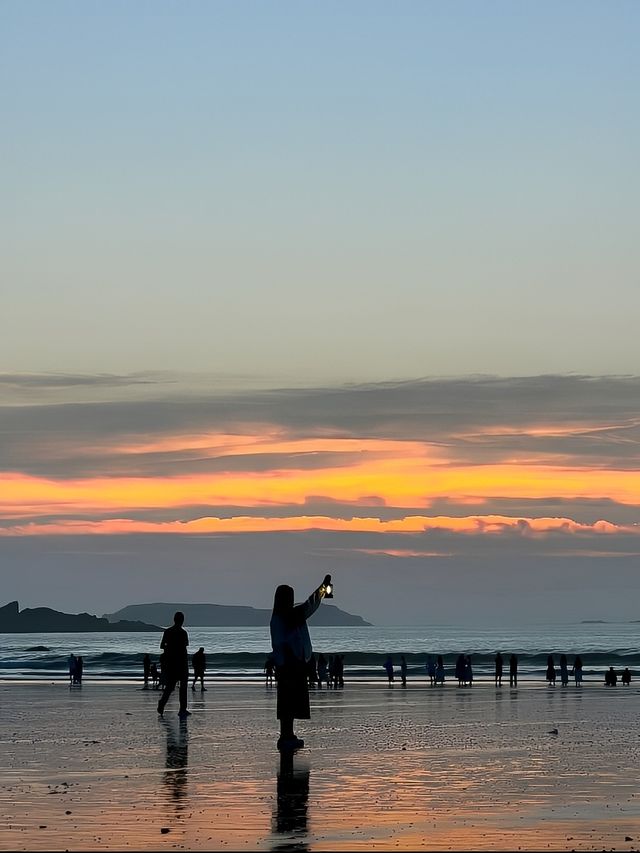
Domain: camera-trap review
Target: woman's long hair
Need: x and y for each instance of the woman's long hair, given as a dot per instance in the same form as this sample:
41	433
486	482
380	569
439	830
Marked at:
283	601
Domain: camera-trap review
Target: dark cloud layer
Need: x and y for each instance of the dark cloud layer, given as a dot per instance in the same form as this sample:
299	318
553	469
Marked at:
602	412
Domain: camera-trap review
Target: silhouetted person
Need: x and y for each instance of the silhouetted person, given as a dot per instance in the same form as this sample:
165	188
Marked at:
388	668
403	670
610	677
323	672
577	670
513	670
79	670
459	670
498	670
146	670
269	668
292	799
72	669
625	678
338	671
550	674
162	670
312	671
155	677
292	649
439	670
431	669
468	671
175	666
330	670
199	664
564	671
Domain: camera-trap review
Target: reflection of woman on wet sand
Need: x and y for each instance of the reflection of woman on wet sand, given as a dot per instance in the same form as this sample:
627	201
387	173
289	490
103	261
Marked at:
292	799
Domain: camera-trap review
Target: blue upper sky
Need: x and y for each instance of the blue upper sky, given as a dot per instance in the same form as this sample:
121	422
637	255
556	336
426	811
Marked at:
320	192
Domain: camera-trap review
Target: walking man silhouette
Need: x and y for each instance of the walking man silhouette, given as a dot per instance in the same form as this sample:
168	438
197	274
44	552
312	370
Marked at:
176	664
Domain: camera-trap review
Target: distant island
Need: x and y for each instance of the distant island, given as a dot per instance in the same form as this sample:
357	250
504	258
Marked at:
227	615
44	620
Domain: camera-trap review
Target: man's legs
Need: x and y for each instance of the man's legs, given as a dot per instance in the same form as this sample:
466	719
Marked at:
169	686
184	680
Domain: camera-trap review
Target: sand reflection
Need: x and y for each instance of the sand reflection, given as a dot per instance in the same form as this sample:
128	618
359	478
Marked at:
175	774
289	823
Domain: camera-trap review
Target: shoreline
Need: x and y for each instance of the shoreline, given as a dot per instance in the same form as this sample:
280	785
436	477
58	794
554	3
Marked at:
382	769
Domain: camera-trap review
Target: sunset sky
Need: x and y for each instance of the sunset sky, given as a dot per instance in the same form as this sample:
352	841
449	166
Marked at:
289	289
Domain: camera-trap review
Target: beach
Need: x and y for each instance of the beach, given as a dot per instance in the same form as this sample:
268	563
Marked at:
383	768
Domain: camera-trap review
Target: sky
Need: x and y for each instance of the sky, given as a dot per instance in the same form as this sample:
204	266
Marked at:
293	288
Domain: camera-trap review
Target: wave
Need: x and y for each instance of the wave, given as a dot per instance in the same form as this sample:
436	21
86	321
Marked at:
358	664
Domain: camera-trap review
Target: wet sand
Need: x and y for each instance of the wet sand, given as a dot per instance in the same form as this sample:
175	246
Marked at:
383	769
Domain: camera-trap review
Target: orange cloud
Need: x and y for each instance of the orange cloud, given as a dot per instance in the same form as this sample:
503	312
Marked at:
474	524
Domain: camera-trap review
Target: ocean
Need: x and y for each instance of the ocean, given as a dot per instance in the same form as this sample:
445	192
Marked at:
238	654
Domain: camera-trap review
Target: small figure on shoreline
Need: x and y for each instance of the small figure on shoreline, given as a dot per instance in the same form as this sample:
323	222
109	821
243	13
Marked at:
440	670
146	670
199	664
625	678
388	667
610	677
551	671
468	671
513	670
338	671
403	670
459	670
498	670
153	671
564	671
269	668
323	672
431	669
577	670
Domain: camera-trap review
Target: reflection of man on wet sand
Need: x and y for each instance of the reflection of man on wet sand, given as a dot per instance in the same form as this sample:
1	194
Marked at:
175	775
292	799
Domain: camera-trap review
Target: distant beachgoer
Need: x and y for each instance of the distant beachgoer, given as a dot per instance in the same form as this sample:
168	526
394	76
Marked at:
199	664
564	671
330	673
498	670
459	670
175	666
468	671
577	670
388	667
513	670
439	670
338	671
551	671
292	649
610	677
269	668
79	670
72	668
146	670
625	678
153	672
323	672
162	666
431	669
403	670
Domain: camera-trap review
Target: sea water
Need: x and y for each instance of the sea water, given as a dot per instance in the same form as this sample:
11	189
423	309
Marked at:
239	654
